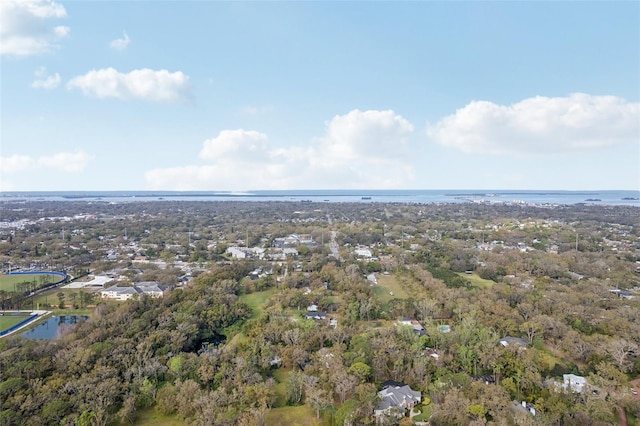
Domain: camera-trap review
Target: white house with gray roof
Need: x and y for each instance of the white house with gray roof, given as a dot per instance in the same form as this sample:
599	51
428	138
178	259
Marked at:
395	399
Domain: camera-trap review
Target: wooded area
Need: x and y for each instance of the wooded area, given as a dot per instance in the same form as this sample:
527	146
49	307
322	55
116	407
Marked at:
234	346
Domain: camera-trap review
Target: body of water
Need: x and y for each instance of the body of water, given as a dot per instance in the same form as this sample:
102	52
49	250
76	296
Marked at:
631	198
51	328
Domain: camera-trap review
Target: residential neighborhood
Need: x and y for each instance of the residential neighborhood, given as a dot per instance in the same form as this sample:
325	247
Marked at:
389	314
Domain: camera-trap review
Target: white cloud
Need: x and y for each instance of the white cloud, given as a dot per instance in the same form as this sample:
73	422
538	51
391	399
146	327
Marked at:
540	125
44	81
366	134
68	162
120	43
25	29
146	84
361	149
15	163
239	145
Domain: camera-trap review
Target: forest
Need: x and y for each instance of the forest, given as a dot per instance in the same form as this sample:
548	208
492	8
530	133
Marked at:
417	295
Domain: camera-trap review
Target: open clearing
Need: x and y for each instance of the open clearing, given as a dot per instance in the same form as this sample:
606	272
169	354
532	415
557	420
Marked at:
476	280
388	284
150	416
256	301
50	297
10	282
300	415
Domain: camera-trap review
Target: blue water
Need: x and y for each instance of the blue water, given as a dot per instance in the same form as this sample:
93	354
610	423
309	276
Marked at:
631	198
50	328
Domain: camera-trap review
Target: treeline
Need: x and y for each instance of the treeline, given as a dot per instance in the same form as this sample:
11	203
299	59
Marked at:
125	357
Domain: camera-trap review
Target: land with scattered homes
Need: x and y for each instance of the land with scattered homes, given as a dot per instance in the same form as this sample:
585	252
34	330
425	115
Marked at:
325	313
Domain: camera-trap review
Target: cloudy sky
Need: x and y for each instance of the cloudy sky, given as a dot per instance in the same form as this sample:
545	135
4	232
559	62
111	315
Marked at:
167	95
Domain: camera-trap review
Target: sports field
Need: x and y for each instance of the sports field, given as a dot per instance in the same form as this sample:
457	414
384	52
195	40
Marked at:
9	319
9	282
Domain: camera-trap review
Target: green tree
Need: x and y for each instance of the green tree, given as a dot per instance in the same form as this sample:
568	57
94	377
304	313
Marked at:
61	298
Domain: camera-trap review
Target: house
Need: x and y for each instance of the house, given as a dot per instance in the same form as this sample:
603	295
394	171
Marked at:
294	240
524	407
238	252
395	398
315	315
363	252
417	327
119	293
246	252
623	294
151	288
433	353
487	379
513	341
573	383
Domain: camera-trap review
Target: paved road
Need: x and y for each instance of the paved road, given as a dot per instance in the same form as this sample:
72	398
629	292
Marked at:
333	245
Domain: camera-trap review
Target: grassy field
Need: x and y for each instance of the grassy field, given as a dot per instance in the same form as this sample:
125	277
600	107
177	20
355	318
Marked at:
280	375
10	282
256	301
386	285
285	416
44	299
476	281
7	321
150	416
300	415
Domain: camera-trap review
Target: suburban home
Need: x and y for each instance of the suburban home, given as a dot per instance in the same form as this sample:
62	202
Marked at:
524	407
573	383
363	252
151	288
395	398
294	240
119	293
245	252
417	327
315	315
513	341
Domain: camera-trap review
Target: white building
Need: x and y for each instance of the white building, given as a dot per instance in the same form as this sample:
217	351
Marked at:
121	293
573	383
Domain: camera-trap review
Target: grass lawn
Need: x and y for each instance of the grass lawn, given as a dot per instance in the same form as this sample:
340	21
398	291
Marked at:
280	375
10	282
149	416
549	360
256	301
476	281
424	416
50	297
386	285
7	321
300	415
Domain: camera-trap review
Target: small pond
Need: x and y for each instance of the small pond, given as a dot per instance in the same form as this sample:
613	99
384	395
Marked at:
51	328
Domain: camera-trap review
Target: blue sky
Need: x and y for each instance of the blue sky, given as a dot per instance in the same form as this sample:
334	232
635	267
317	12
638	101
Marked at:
167	95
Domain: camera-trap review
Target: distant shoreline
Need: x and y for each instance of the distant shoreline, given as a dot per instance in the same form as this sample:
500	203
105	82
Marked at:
532	197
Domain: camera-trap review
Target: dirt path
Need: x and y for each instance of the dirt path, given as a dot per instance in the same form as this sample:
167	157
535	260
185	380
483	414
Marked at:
622	416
